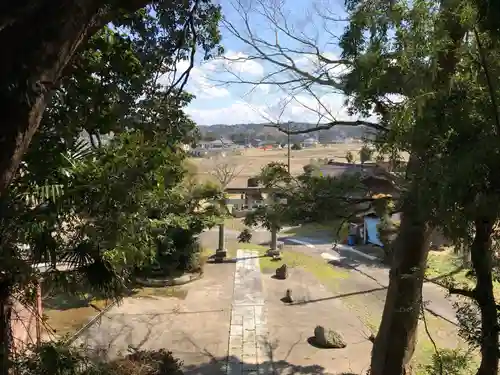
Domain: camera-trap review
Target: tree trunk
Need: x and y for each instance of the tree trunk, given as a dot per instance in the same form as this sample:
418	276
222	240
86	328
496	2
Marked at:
396	338
481	257
36	48
5	328
395	341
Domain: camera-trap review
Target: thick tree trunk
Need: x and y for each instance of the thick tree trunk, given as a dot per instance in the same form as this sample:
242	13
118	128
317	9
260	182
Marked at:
481	257
396	338
36	48
395	341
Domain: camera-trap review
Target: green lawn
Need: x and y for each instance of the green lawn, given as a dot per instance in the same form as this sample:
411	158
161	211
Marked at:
443	263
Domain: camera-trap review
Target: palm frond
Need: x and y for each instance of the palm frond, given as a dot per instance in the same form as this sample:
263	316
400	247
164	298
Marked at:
37	194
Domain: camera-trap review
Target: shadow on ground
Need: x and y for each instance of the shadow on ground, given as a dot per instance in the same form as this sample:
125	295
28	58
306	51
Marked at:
198	359
217	366
211	259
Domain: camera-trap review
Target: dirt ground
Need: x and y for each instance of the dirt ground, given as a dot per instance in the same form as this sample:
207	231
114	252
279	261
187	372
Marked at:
194	325
251	161
290	327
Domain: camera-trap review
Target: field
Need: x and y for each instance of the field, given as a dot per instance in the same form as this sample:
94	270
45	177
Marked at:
251	161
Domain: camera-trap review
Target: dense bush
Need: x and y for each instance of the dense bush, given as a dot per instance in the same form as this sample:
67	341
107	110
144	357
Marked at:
450	362
178	252
296	146
245	236
155	362
60	359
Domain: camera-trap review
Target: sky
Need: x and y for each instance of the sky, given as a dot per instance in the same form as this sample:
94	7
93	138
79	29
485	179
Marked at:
243	86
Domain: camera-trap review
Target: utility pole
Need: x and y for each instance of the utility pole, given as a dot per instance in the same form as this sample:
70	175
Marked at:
289	147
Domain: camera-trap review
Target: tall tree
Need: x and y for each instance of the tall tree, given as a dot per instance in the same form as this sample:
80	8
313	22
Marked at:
116	83
36	58
410	49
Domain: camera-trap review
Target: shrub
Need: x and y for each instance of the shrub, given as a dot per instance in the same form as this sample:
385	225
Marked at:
177	252
296	146
58	358
450	362
155	362
245	236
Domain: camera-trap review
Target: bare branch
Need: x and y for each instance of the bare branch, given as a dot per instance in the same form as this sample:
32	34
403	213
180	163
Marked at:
297	61
225	172
330	125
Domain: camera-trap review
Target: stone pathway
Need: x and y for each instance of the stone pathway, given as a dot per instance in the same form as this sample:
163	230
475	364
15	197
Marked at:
248	335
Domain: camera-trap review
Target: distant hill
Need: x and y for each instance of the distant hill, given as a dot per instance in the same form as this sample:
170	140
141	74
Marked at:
245	133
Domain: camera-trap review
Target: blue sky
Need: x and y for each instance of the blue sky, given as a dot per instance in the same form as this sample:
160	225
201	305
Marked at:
270	94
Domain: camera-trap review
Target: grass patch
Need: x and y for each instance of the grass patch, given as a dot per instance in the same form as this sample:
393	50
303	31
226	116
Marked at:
445	263
316	266
327	230
66	314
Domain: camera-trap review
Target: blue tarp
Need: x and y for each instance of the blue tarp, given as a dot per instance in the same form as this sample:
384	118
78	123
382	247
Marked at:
371	231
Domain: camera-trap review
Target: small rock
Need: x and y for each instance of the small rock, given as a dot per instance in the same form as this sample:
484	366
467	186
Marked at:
272	253
288	296
328	338
282	272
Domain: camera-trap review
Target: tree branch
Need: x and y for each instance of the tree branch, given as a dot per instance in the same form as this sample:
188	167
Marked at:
330	125
463	292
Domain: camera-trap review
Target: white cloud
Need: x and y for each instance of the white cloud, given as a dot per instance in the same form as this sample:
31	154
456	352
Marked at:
266	102
206	79
237	112
301	109
239	64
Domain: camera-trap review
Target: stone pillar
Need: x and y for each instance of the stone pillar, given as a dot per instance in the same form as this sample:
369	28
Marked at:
221	253
274	239
273	248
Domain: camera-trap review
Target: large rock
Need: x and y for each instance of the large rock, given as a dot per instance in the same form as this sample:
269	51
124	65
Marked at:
282	272
328	338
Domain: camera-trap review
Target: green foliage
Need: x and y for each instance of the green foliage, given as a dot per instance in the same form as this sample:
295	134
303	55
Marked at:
143	362
296	146
442	62
57	358
450	362
468	316
245	236
307	198
106	211
116	78
52	358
